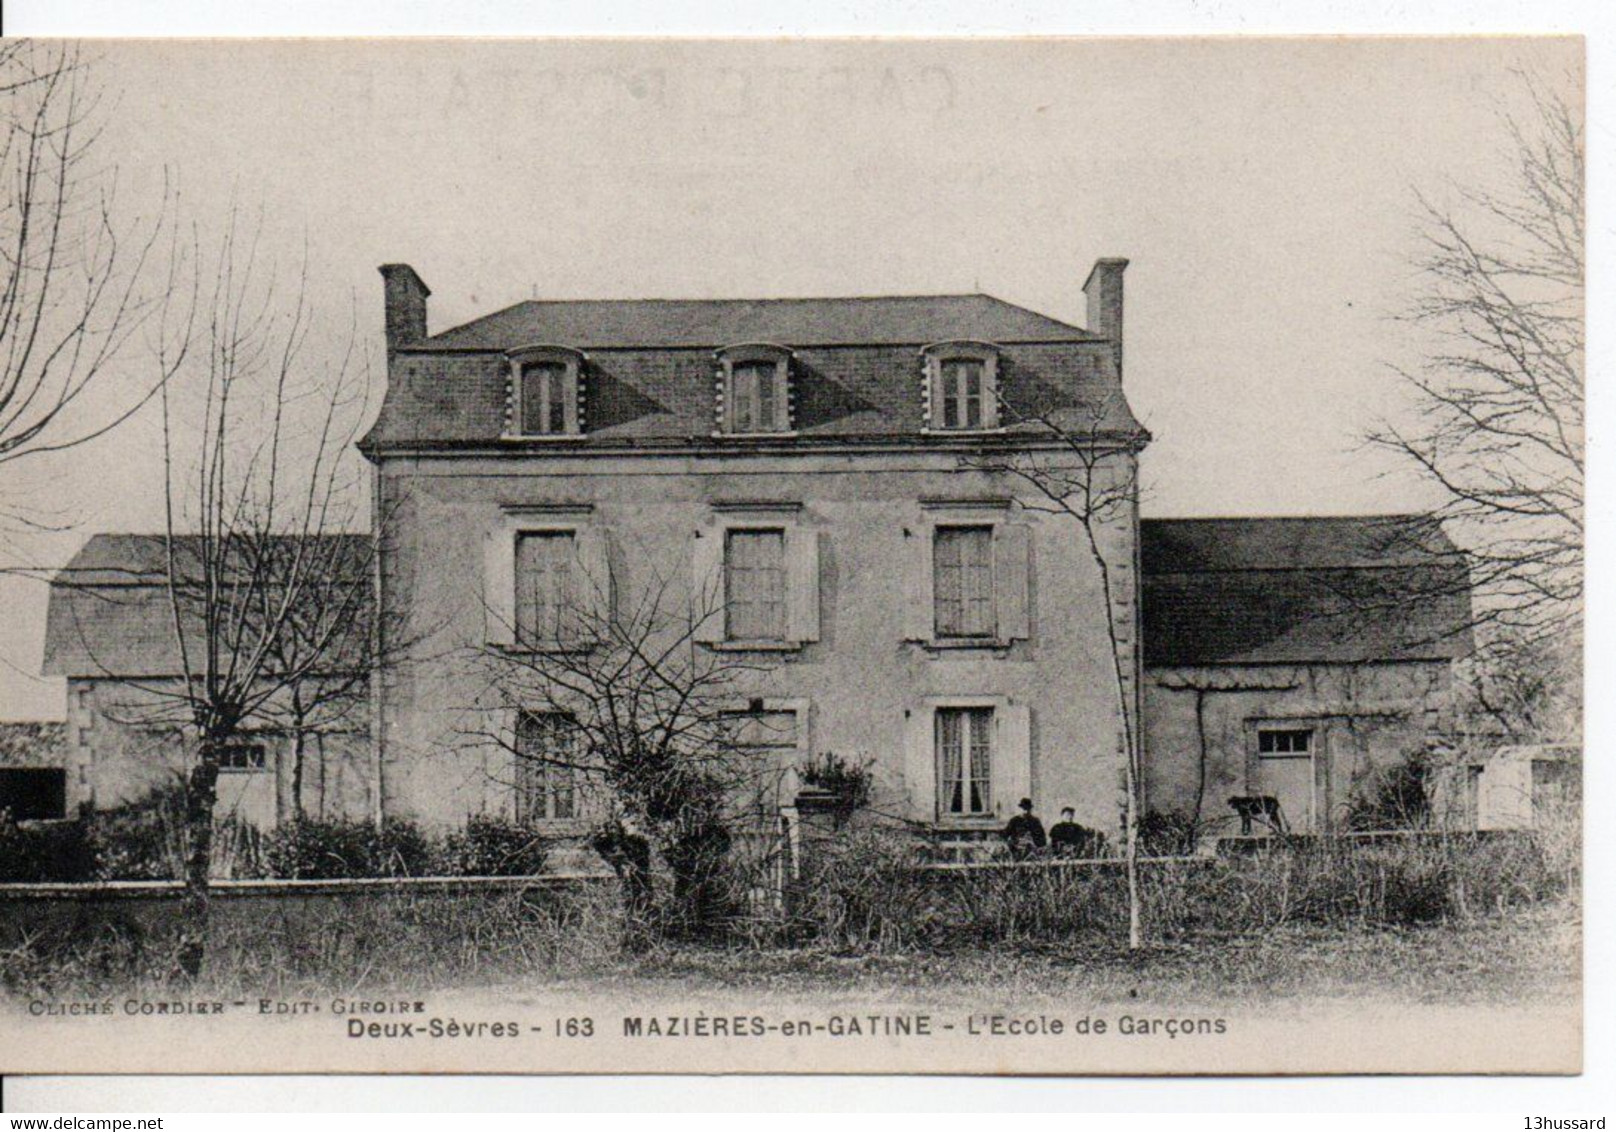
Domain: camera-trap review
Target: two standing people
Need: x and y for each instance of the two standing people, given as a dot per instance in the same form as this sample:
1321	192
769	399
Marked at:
1025	835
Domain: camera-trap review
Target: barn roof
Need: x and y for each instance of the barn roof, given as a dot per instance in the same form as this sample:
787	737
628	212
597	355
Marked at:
1296	590
110	614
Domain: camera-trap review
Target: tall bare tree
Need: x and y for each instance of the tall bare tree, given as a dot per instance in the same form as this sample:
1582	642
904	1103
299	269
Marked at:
70	272
647	728
327	654
1087	474
267	597
1495	421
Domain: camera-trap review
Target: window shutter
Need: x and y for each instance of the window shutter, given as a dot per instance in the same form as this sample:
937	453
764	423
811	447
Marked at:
918	614
990	391
707	584
499	585
1012	563
920	764
782	396
802	584
1012	759
568	392
593	586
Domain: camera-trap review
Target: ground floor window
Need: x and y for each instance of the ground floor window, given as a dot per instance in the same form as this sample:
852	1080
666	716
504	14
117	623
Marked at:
964	761
546	767
33	793
242	756
1285	741
767	744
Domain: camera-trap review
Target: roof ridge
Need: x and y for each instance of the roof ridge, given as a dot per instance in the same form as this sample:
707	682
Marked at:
1285	518
781	298
535	304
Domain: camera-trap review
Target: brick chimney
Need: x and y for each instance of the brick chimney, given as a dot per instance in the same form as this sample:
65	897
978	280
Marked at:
405	303
1104	292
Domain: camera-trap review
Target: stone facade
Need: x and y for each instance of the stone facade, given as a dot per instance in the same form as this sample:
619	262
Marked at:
1202	727
650	485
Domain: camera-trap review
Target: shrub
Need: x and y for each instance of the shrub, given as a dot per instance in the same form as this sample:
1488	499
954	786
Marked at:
313	849
1394	797
144	840
45	851
492	847
848	779
858	889
1167	835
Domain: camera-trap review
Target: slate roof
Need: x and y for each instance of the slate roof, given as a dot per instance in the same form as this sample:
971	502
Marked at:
110	615
32	743
897	320
650	374
1301	590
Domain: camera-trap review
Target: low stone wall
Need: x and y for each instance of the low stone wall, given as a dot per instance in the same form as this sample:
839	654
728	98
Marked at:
140	909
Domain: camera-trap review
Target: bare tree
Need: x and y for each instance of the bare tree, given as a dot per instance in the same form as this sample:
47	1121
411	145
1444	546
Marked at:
1521	689
617	704
1497	404
69	272
267	597
1088	474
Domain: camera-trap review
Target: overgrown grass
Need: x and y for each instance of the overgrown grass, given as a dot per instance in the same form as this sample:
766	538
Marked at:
866	901
869	891
372	942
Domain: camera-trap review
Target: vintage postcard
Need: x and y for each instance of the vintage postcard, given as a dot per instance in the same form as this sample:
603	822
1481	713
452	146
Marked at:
982	556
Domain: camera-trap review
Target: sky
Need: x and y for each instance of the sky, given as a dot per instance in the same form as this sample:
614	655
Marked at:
1263	191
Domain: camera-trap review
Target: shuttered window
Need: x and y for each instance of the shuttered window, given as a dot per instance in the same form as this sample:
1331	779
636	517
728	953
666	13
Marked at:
546	596
962	581
755	585
546	758
767	742
964	761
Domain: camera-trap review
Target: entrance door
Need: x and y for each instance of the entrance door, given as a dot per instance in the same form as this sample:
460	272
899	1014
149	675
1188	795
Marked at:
1285	770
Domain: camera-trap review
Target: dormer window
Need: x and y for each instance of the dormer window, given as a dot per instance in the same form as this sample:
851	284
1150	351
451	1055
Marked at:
754	389
546	395
962	386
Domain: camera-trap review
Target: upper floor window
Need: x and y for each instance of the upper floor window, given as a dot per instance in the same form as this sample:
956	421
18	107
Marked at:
962	581
547	398
962	385
755	584
547	579
546	603
755	577
967	576
756	389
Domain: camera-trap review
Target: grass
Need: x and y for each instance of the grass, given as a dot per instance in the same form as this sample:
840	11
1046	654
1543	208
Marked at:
1525	955
1443	921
